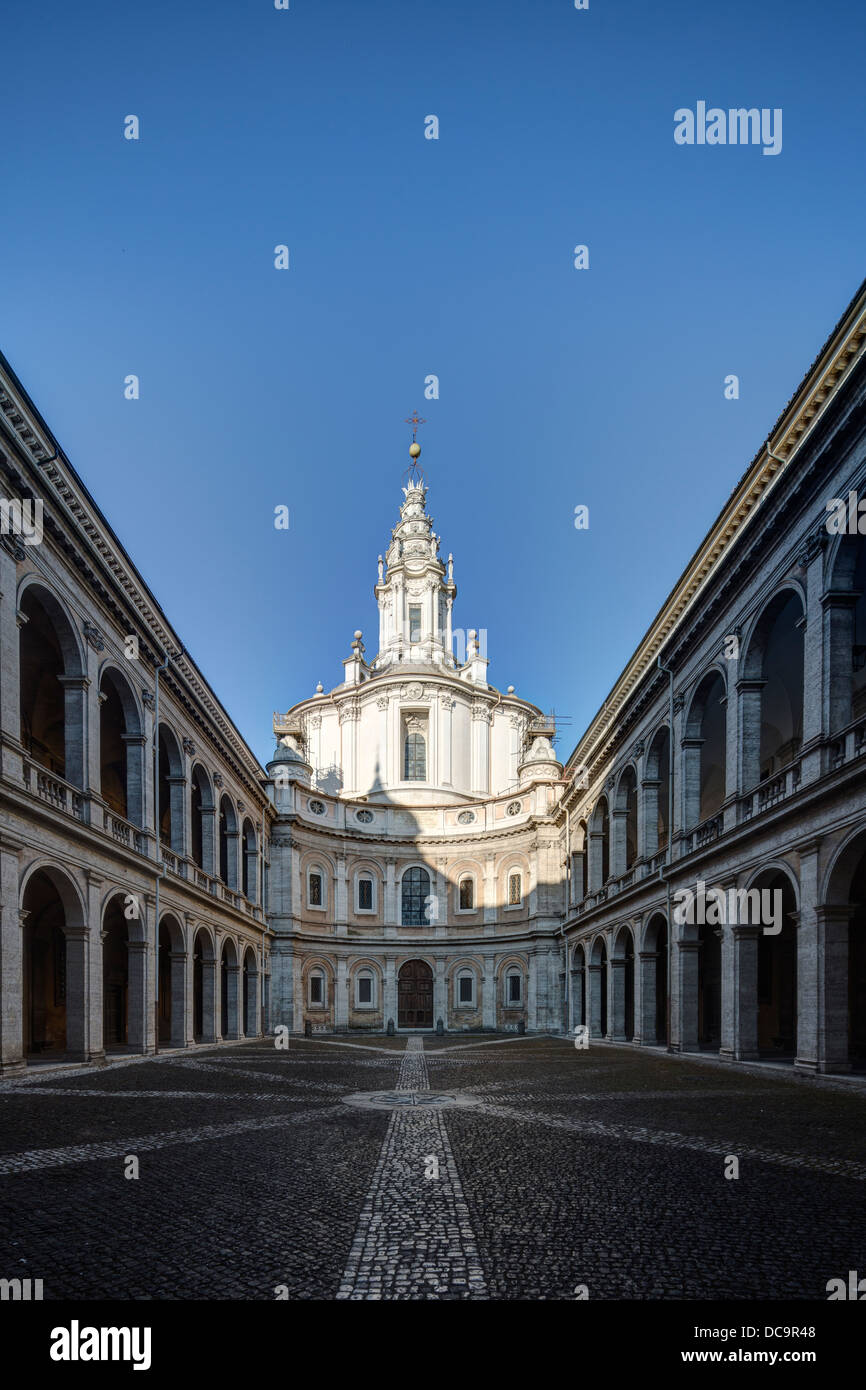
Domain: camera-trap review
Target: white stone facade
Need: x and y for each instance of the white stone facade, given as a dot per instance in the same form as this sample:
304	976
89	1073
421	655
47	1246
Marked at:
418	780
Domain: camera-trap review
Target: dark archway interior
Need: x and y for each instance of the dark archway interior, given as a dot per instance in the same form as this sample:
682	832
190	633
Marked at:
42	695
44	968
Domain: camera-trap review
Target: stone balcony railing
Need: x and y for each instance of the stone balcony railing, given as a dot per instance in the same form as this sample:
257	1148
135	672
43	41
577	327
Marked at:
771	791
846	746
125	833
54	790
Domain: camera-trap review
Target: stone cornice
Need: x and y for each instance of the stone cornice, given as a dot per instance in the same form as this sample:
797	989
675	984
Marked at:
833	366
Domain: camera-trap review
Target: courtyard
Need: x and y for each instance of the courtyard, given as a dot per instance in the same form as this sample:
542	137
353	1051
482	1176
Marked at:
427	1167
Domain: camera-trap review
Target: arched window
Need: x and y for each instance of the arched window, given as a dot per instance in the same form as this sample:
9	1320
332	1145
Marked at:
315	887
415	895
249	865
415	756
466	891
465	989
365	989
318	988
515	888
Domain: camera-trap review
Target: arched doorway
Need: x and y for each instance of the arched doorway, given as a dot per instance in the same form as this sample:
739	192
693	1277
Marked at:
777	969
623	985
654	977
598	990
45	969
857	969
229	990
115	976
415	995
203	988
250	994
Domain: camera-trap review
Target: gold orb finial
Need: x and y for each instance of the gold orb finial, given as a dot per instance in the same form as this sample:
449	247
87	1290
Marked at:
414	449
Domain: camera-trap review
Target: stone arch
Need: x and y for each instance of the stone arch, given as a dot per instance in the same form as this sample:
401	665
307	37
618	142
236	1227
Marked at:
844	635
622	968
599	845
250	993
655	788
509	1003
318	1013
625	821
202	818
52	688
842	918
229	836
655	1024
172	782
704	746
366	967
579	977
54	982
598	988
121	745
417	896
366	868
171	975
229	989
771	688
775	961
204	969
249	861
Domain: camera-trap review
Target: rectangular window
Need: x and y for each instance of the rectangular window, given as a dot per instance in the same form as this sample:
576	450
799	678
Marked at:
467	894
464	985
365	894
414	623
365	990
316	989
515	890
315	890
514	989
415	758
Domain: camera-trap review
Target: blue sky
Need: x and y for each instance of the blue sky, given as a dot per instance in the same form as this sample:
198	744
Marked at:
408	257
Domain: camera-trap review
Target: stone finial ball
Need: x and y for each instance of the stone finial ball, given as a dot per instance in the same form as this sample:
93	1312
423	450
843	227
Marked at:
414	450
510	690
358	634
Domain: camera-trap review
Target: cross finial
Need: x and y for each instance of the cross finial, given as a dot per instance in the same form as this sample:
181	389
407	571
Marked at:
415	420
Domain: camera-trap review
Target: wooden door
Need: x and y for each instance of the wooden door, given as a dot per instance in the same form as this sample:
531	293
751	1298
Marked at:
415	995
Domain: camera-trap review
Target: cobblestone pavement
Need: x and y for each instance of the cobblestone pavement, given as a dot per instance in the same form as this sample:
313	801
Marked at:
560	1168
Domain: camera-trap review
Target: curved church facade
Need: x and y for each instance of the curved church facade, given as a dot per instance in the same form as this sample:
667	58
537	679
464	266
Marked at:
415	877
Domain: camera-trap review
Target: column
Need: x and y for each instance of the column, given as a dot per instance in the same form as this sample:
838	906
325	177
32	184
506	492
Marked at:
341	1000
745	992
684	1000
440	993
488	1003
12	955
446	706
341	899
832	956
138	961
749	744
390	1010
77	1020
96	1022
808	963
